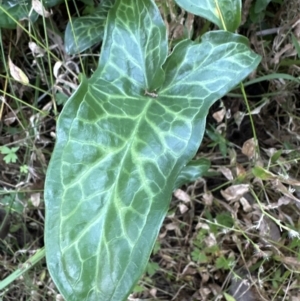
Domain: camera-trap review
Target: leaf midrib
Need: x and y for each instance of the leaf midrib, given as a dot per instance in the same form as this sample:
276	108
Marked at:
127	151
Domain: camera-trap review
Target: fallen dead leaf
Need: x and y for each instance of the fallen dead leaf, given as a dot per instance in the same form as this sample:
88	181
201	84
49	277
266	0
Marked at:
219	115
153	292
10	118
284	200
240	170
207	198
36	50
241	290
56	68
268	228
246	206
258	109
238	118
277	185
235	192
183	208
248	148
35	199
17	73
39	8
210	240
292	261
182	195
226	172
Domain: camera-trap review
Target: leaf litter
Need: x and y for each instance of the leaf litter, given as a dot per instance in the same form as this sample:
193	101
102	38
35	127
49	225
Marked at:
234	232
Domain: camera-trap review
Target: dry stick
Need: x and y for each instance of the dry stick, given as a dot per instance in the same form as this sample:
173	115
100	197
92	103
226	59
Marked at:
269	31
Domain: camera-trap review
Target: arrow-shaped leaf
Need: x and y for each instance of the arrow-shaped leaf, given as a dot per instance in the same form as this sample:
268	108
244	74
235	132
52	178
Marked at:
122	140
84	32
224	13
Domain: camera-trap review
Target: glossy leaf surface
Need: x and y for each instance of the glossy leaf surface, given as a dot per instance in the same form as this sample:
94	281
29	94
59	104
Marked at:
224	13
122	140
12	11
194	170
84	32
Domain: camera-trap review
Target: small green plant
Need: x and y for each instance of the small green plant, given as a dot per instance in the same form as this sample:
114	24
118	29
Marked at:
198	256
217	140
124	138
24	169
10	154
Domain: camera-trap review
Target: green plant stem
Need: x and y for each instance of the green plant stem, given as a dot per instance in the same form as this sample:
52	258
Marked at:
261	207
251	120
40	254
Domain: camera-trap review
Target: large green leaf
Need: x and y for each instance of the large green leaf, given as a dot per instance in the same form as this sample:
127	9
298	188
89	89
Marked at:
224	13
84	32
122	140
13	11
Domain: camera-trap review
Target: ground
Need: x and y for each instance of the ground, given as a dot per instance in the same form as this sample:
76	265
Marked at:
235	230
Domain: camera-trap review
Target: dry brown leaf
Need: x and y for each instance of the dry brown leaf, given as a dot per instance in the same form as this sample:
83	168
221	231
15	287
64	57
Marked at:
258	109
182	195
35	199
56	68
19	33
36	50
17	73
245	204
277	185
201	225
39	8
240	170
292	261
238	118
10	118
288	180
153	292
248	148
204	293
280	55
219	115
59	298
204	277
210	240
270	151
297	30
284	200
268	228
226	172
235	192
241	290
171	226
207	198
183	208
